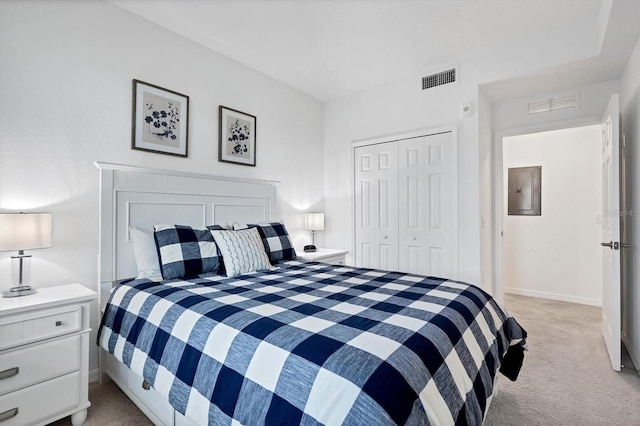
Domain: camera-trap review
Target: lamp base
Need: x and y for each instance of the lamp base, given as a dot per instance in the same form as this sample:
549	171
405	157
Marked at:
23	290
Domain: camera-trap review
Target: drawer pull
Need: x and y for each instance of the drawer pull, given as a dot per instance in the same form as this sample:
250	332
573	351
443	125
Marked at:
145	385
9	372
9	414
58	323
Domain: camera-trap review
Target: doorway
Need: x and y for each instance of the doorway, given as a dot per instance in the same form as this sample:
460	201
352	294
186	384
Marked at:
612	187
556	254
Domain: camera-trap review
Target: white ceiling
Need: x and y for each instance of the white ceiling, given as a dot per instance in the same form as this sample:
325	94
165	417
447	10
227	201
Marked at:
330	49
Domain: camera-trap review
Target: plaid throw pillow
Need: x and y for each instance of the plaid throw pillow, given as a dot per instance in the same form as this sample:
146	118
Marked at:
186	251
276	241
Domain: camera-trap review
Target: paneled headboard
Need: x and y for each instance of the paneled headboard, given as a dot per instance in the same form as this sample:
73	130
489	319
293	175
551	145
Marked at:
142	197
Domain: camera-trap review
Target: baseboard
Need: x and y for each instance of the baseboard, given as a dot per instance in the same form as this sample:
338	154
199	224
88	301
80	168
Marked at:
632	354
554	296
94	375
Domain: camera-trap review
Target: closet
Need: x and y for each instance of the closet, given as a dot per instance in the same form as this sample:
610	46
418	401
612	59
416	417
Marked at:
405	194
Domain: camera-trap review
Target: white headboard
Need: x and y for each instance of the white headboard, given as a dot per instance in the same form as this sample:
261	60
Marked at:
141	197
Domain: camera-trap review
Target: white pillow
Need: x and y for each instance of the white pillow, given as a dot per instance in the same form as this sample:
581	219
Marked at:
242	251
146	254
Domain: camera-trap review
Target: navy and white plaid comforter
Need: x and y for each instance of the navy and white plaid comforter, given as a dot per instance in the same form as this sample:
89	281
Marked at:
310	343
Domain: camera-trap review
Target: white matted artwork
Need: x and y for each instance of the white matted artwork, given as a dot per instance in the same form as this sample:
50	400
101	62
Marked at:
237	137
160	120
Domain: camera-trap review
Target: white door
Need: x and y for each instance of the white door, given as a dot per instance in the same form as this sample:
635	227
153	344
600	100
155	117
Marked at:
425	209
376	206
611	232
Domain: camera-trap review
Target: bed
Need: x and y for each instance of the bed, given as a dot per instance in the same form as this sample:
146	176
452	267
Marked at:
293	343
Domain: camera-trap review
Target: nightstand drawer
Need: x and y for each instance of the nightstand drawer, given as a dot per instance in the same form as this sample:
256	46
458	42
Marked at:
39	402
35	364
34	326
333	260
331	256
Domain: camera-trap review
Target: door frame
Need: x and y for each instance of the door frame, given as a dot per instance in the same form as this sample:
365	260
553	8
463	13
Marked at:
498	187
426	131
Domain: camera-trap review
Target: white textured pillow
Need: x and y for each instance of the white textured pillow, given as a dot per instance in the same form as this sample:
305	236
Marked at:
146	254
242	251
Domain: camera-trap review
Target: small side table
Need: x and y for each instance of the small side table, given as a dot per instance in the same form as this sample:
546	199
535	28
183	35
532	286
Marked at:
333	256
44	356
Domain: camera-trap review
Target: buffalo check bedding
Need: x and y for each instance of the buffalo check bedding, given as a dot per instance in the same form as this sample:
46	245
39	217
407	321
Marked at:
311	343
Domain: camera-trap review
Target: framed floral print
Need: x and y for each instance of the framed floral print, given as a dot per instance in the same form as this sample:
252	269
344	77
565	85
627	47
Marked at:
160	120
237	141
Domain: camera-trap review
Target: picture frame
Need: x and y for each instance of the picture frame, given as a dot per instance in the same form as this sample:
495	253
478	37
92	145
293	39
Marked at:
237	137
160	120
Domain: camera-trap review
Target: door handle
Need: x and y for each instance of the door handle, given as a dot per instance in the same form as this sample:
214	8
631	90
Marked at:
614	245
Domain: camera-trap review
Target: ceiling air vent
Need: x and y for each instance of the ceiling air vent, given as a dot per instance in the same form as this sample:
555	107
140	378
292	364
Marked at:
551	104
439	79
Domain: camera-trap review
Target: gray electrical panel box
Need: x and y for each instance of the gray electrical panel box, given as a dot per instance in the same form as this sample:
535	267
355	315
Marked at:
525	191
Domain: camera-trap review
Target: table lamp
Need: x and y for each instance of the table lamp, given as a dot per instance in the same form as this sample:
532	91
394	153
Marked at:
23	231
313	222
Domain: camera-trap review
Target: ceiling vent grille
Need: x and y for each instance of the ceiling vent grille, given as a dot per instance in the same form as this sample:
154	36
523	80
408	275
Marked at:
439	79
551	104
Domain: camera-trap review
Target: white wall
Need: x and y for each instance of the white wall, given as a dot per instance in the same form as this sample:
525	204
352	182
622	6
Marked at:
387	111
402	106
557	255
65	85
511	116
630	109
485	113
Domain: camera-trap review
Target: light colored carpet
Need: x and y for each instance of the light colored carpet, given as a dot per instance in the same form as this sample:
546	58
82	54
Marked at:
110	407
566	378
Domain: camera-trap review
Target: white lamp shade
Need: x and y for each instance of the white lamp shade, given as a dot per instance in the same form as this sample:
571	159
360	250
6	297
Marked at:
25	231
314	221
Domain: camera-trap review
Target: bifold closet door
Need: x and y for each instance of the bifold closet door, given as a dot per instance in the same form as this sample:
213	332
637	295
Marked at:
376	206
425	205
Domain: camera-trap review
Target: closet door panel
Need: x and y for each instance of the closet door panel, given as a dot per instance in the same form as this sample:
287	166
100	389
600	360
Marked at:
436	262
365	203
384	204
364	254
411	156
387	257
376	205
436	202
425	227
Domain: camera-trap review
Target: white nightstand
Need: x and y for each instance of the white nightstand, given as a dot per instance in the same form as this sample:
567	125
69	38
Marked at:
44	356
332	256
